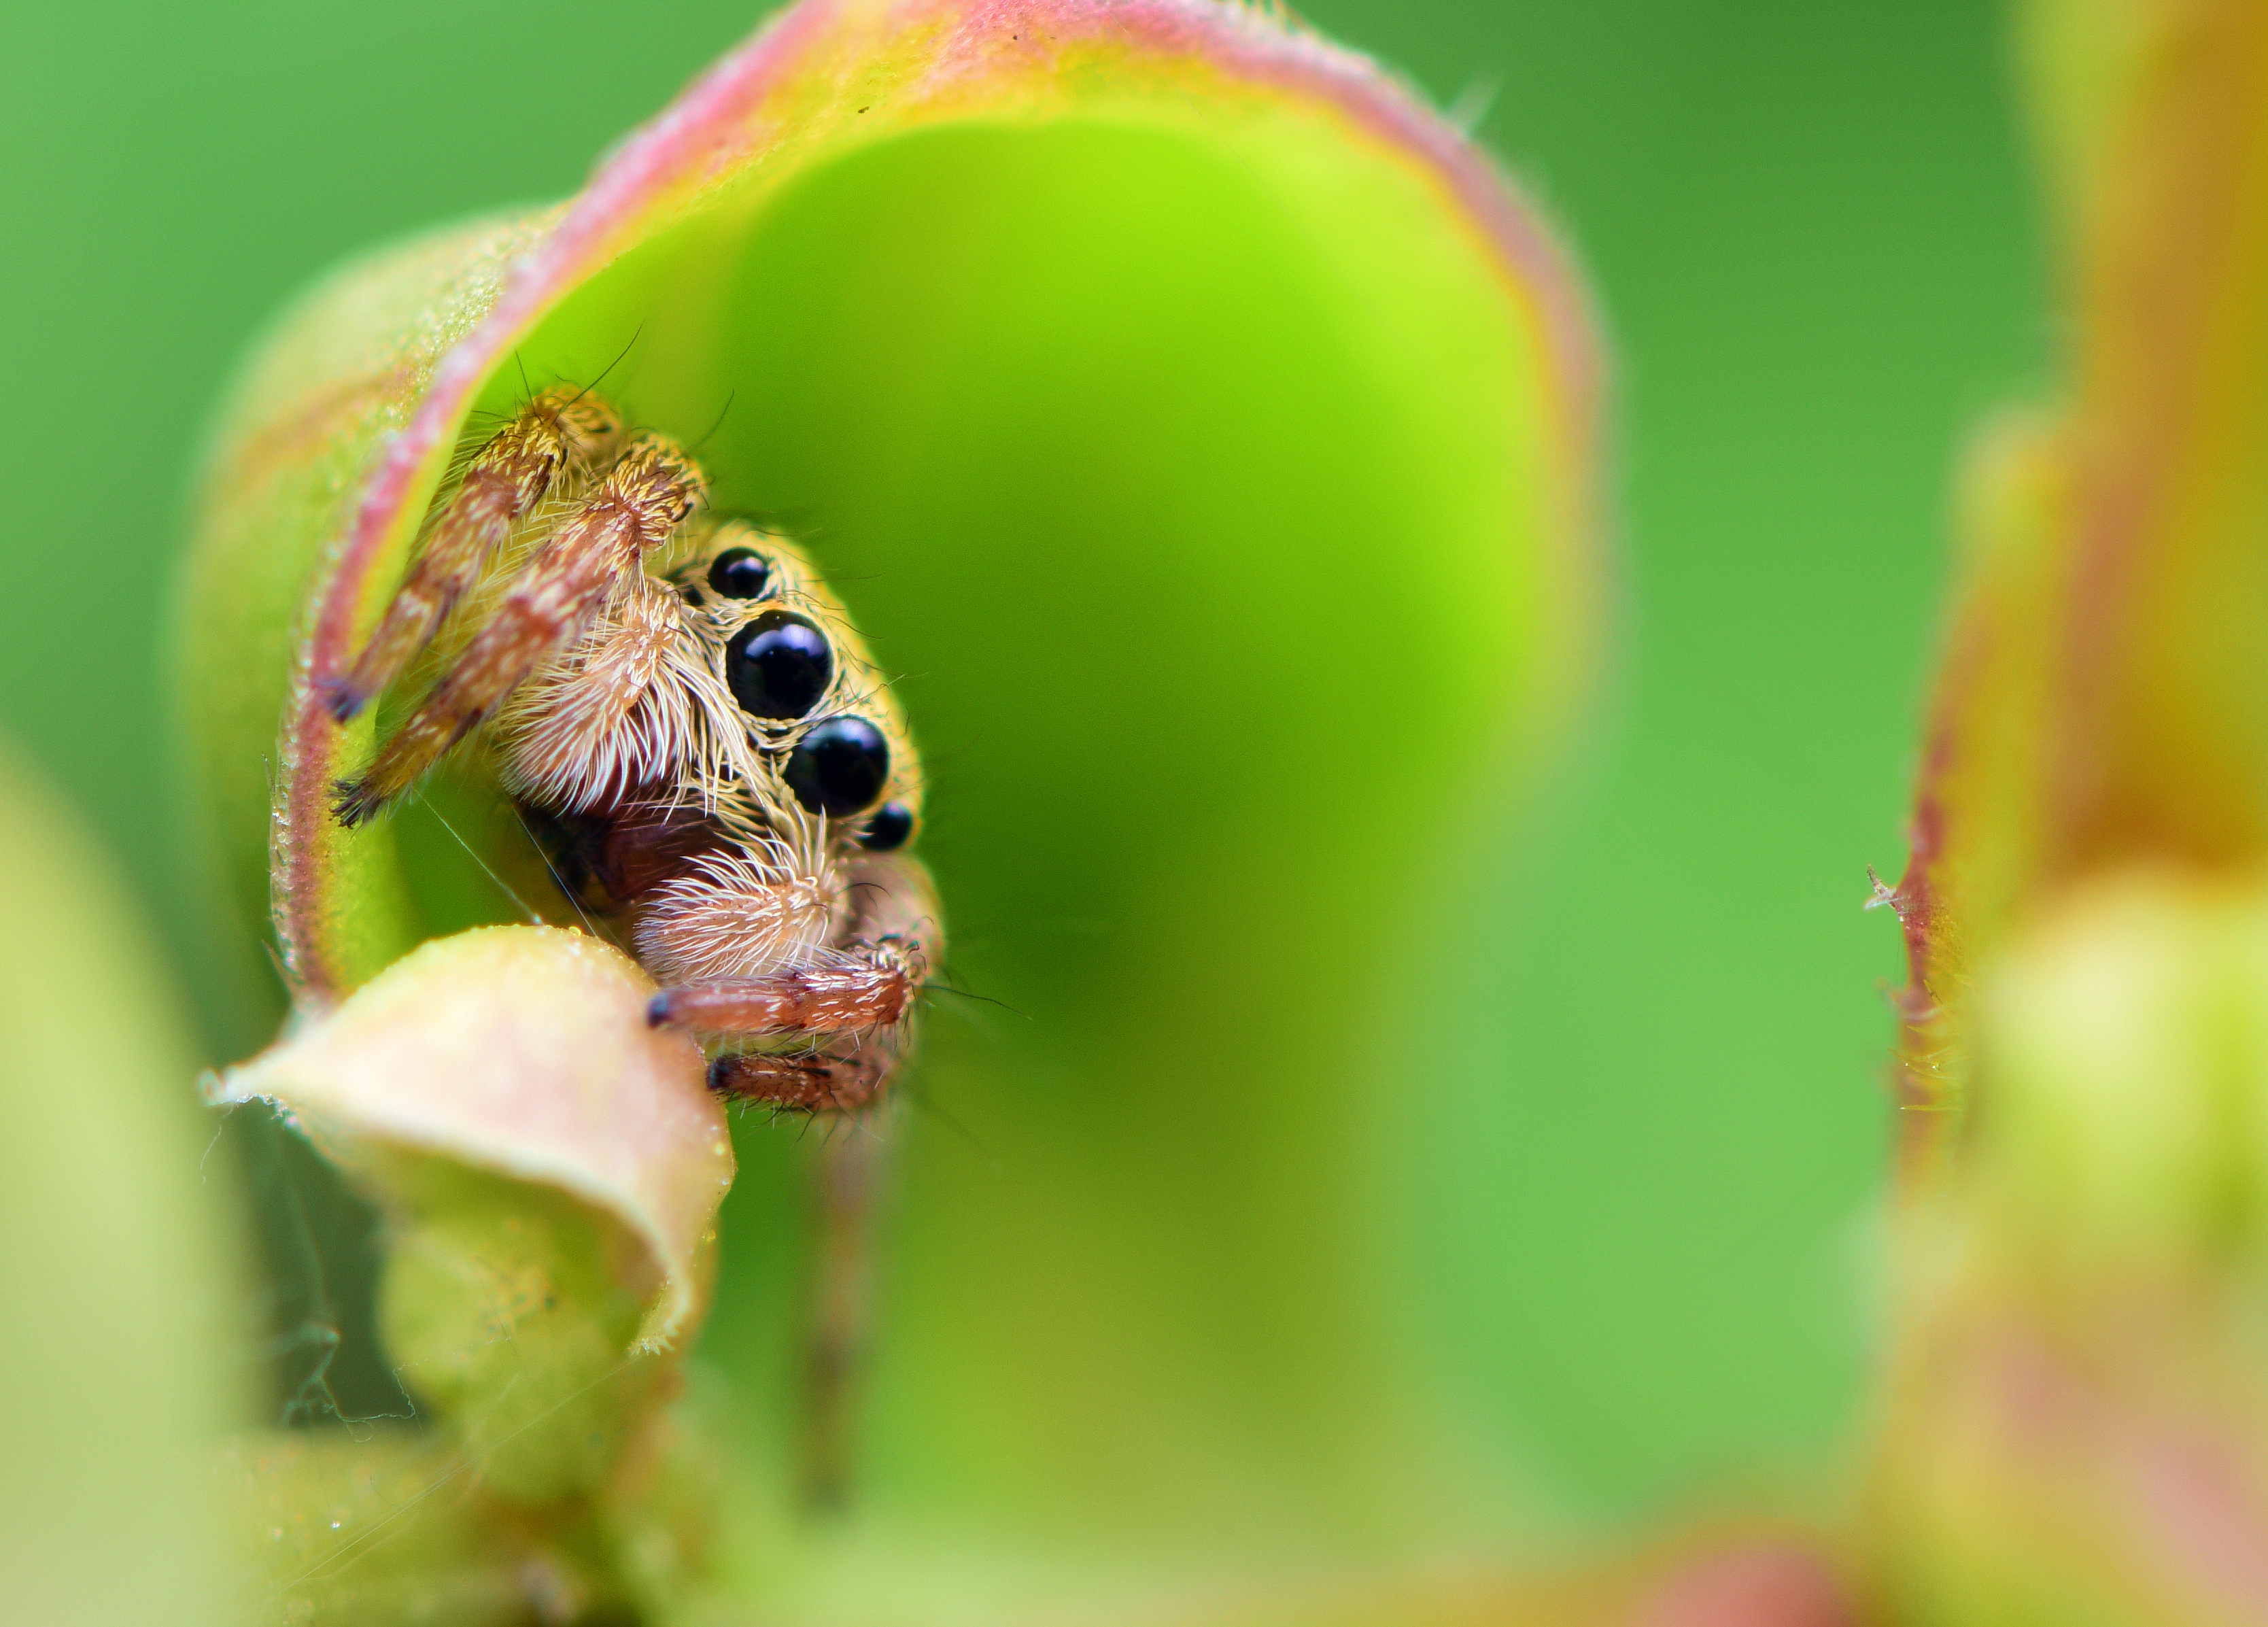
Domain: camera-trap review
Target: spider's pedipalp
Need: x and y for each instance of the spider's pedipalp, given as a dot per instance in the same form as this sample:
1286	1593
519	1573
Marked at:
869	987
815	1083
561	432
741	914
852	998
648	493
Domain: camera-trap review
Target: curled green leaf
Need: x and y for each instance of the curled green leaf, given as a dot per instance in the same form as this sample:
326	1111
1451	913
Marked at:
674	275
2102	700
1198	421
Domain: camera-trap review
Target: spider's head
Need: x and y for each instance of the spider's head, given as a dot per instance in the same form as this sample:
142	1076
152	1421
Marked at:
813	701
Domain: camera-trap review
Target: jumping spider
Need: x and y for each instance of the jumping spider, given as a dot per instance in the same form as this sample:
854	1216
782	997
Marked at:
693	732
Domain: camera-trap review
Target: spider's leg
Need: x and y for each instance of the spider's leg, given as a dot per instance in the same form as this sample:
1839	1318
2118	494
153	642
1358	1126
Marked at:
551	604
884	935
853	1001
560	431
867	986
817	1083
854	1008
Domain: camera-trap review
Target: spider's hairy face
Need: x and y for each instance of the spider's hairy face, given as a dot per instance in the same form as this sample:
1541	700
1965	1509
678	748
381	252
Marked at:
806	696
728	677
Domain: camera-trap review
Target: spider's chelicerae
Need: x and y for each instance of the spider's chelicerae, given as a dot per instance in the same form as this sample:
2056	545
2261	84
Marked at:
692	732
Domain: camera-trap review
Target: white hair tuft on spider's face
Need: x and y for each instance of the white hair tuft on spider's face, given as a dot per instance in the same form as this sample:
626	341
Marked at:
737	915
614	713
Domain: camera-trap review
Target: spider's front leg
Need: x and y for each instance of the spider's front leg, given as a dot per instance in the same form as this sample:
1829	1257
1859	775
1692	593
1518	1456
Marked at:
850	1002
554	440
808	1082
853	1015
648	493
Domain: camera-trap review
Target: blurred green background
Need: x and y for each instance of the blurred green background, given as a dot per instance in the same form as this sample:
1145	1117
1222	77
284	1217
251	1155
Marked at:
1810	229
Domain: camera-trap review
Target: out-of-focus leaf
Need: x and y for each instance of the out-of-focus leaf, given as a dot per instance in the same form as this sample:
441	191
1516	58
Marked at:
115	1258
2104	696
2076	1427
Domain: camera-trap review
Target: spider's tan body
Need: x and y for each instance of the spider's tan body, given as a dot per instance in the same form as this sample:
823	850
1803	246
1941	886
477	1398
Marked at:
690	724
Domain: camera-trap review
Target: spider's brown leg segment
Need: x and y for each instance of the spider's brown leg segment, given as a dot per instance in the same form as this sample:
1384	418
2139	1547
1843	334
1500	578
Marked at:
854	1001
816	1084
552	603
871	987
866	981
561	429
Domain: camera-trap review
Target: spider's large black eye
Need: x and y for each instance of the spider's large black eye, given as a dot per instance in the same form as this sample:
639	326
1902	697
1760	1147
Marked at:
887	831
779	665
840	767
741	573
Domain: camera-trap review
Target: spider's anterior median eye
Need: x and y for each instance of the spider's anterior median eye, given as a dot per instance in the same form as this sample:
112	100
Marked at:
779	665
741	573
887	831
840	767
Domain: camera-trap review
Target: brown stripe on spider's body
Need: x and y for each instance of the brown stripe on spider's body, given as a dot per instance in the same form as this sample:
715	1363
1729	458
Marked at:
552	603
560	431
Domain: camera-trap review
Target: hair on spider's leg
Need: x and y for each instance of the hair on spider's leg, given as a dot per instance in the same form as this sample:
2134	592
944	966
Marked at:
944	983
872	990
648	493
719	424
613	713
813	1084
556	432
983	1022
620	356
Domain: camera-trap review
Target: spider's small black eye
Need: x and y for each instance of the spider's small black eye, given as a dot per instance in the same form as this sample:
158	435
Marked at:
840	767
892	824
741	573
779	665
